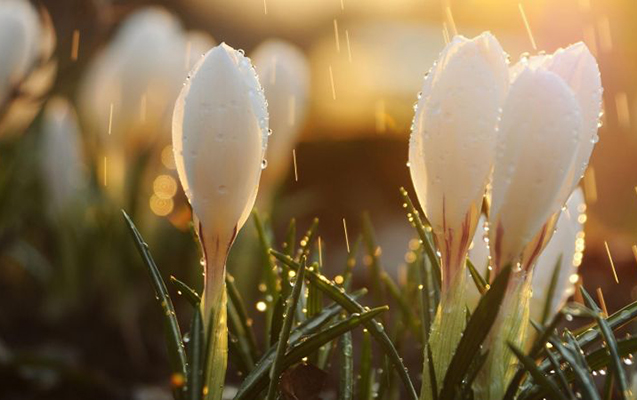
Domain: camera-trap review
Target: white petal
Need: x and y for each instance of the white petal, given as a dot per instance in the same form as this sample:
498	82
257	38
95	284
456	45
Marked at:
285	77
219	137
539	135
562	244
453	135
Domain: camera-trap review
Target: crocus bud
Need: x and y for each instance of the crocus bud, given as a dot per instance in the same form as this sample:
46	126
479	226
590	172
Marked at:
547	132
220	133
565	246
62	165
285	77
27	40
453	141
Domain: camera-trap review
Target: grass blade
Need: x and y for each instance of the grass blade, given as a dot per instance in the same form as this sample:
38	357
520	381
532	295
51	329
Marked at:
366	369
481	284
346	378
299	349
174	342
244	319
529	364
182	289
284	336
196	352
377	330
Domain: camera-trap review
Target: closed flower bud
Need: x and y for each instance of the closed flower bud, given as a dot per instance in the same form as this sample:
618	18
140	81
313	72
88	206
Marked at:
285	77
547	133
566	246
220	132
453	141
63	168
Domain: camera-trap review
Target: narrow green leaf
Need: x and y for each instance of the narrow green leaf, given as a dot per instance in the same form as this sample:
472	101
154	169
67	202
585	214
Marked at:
580	369
539	377
195	356
611	342
405	308
546	313
193	297
375	268
618	319
269	272
560	374
174	342
424	298
290	238
481	284
239	344
243	318
299	349
377	330
425	237
476	331
276	370
346	377
307	240
366	369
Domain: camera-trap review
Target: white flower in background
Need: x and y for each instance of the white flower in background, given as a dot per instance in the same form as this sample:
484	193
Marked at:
567	243
285	78
63	168
131	86
27	40
453	141
547	132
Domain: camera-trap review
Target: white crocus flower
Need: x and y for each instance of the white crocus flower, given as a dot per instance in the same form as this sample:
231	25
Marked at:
285	77
220	133
62	165
548	130
451	150
566	245
453	140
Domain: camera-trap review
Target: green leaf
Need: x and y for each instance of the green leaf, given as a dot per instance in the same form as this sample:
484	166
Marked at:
375	268
559	373
195	356
618	319
529	364
300	348
546	313
475	333
377	330
611	342
239	347
405	308
276	370
174	342
365	382
579	366
190	294
424	298
243	318
346	377
307	240
481	284
306	328
269	273
425	237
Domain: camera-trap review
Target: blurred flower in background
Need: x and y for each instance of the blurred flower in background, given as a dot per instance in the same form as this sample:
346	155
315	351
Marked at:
27	41
285	77
63	165
130	88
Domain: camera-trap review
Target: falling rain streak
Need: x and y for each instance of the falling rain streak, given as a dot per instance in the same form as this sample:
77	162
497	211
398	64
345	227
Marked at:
612	264
349	48
75	45
452	23
445	33
105	172
296	171
332	82
602	301
346	237
110	120
527	26
590	186
337	37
